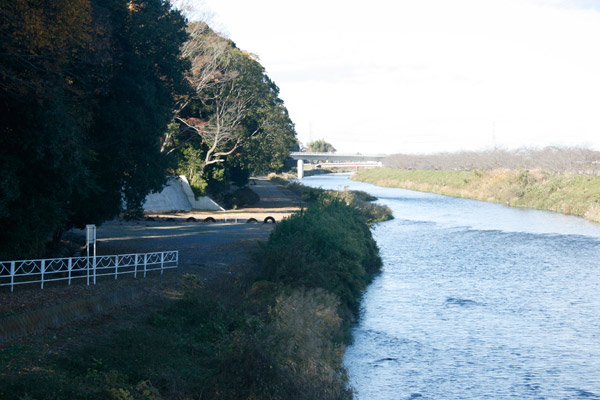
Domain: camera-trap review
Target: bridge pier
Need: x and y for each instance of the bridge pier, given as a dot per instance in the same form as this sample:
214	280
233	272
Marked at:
300	169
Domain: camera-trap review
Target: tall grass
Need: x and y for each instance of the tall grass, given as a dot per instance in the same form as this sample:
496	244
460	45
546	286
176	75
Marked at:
569	194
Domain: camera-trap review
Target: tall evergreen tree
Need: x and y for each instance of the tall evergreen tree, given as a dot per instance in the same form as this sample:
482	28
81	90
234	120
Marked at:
134	110
86	91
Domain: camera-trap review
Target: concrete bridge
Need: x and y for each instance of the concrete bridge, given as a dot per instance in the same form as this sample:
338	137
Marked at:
337	160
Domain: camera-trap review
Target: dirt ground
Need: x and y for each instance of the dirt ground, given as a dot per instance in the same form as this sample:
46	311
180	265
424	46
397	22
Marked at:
205	249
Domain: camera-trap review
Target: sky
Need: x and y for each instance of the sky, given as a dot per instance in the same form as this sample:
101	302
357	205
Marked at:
425	76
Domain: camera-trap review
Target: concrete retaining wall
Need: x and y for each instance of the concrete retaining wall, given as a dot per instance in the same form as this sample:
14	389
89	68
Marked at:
178	195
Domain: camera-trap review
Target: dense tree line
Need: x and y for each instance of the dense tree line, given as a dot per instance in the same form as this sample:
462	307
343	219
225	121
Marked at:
552	159
87	89
97	98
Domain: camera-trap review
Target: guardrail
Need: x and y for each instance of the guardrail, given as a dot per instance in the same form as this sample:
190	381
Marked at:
66	269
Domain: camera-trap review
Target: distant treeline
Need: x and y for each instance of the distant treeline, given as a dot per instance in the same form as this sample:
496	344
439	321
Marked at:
552	159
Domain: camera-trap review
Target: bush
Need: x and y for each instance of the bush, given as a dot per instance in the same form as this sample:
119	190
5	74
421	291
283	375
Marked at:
239	198
306	339
329	246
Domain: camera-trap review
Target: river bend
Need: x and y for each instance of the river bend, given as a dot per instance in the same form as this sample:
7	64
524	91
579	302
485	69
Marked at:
477	301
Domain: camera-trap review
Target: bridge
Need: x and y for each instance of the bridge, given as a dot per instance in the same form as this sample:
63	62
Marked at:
337	160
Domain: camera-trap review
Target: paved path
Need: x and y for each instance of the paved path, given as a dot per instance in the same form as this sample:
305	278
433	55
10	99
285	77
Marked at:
274	196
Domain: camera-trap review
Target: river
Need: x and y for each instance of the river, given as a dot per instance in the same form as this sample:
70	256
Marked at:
476	301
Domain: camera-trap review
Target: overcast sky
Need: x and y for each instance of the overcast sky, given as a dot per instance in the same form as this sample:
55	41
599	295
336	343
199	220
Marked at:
422	76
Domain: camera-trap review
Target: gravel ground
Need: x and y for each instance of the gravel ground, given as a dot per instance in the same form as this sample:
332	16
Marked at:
208	247
205	249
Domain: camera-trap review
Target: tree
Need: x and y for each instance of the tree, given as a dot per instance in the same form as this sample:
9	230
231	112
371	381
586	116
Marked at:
44	115
134	110
321	146
86	91
234	118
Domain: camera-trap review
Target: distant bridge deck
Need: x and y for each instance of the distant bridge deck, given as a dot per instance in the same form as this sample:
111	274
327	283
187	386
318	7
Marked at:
333	160
338	157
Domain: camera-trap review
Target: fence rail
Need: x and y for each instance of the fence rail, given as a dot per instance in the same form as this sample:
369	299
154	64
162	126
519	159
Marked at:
89	268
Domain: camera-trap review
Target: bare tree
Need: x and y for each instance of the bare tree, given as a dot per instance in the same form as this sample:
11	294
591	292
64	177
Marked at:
222	132
233	106
207	53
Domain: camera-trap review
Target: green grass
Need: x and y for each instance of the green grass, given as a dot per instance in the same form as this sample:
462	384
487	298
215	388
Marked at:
570	194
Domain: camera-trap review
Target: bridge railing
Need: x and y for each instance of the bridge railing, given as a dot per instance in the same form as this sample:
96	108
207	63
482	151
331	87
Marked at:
41	271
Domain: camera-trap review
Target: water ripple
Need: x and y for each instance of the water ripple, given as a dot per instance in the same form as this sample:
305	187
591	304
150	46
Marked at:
478	301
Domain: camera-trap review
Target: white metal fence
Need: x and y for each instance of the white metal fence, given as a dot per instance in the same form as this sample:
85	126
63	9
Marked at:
66	269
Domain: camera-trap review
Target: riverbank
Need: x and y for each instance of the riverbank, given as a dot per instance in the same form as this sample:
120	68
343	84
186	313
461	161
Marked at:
355	198
568	194
273	325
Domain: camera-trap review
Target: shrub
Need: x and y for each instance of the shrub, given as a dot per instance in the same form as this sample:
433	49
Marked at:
276	334
305	336
239	198
329	246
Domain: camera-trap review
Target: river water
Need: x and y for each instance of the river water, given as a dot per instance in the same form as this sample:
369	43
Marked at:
477	301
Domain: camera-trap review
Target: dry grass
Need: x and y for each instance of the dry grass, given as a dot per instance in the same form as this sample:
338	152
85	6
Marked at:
565	193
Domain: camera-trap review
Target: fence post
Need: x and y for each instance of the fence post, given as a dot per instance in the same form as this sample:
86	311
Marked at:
69	267
162	262
43	268
90	238
145	263
12	276
135	266
116	265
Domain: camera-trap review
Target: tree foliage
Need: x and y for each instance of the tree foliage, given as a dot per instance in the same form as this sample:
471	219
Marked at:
89	92
321	146
234	122
87	88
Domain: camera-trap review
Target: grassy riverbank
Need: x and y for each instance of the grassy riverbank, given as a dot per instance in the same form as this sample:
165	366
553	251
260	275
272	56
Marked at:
358	199
276	329
569	194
